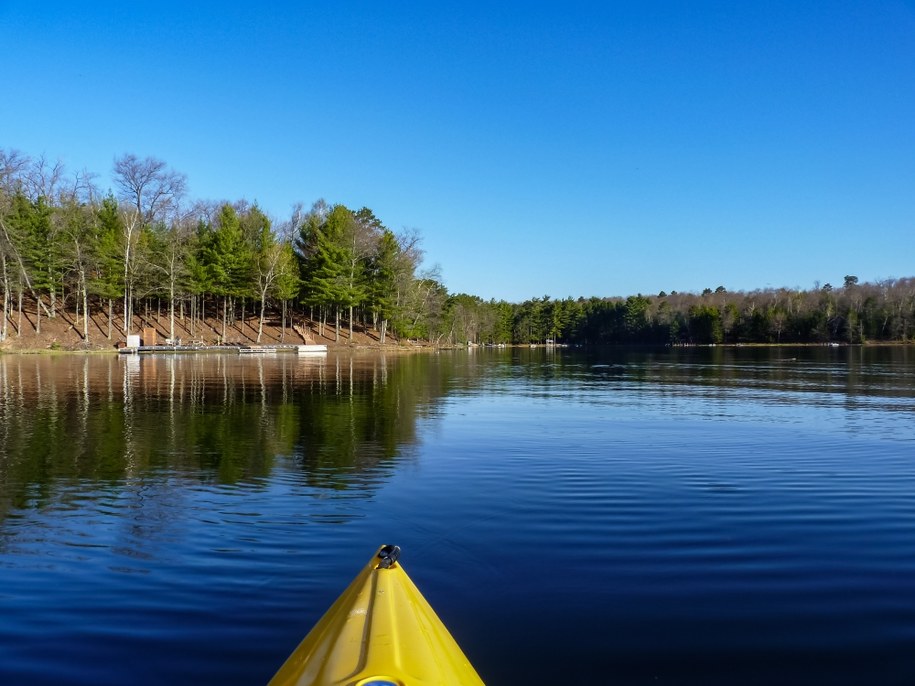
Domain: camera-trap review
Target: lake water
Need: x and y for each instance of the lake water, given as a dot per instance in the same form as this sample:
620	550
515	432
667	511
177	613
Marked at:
709	516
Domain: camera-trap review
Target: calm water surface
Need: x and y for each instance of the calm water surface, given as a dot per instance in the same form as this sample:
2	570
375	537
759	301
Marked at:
710	516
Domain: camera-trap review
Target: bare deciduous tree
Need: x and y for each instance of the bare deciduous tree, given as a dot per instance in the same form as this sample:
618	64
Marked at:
12	168
153	192
148	185
43	180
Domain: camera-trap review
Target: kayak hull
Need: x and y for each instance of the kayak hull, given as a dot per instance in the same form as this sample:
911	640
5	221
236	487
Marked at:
381	631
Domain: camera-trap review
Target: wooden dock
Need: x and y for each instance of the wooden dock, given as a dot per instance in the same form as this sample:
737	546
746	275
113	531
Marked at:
223	349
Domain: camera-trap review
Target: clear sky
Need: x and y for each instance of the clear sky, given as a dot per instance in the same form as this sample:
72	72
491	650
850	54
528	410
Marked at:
565	149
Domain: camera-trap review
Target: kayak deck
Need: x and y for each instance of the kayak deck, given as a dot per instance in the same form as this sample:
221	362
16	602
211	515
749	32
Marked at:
379	632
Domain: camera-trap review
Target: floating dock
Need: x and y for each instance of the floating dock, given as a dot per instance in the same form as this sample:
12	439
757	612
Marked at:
226	349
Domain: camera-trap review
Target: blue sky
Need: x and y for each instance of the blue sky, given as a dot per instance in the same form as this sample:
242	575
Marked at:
562	149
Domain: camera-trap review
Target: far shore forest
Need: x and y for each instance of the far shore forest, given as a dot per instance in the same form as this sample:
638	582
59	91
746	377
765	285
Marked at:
143	246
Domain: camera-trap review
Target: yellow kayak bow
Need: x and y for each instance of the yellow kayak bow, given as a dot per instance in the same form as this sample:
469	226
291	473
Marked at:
379	632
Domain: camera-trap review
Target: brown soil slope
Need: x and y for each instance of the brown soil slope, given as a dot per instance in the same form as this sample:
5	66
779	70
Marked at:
64	332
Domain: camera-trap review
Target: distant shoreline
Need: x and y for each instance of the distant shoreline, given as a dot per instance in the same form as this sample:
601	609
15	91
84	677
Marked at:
427	347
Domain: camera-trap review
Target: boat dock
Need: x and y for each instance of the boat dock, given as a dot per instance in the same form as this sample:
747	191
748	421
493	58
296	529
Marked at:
225	349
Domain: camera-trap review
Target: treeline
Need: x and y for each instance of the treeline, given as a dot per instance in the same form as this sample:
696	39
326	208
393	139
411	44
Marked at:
65	244
851	313
104	256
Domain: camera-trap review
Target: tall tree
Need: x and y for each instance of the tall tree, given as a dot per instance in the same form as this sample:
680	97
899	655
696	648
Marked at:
287	283
78	233
228	260
131	259
106	281
27	233
329	276
270	264
170	260
408	290
305	227
361	246
381	294
150	192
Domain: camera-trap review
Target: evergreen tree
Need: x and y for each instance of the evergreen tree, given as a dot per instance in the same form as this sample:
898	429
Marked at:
381	294
229	261
106	280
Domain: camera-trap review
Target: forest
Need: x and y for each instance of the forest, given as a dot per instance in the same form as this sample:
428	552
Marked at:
113	256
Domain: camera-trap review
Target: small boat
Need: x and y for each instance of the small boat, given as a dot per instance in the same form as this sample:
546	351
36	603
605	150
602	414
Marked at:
311	349
379	632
